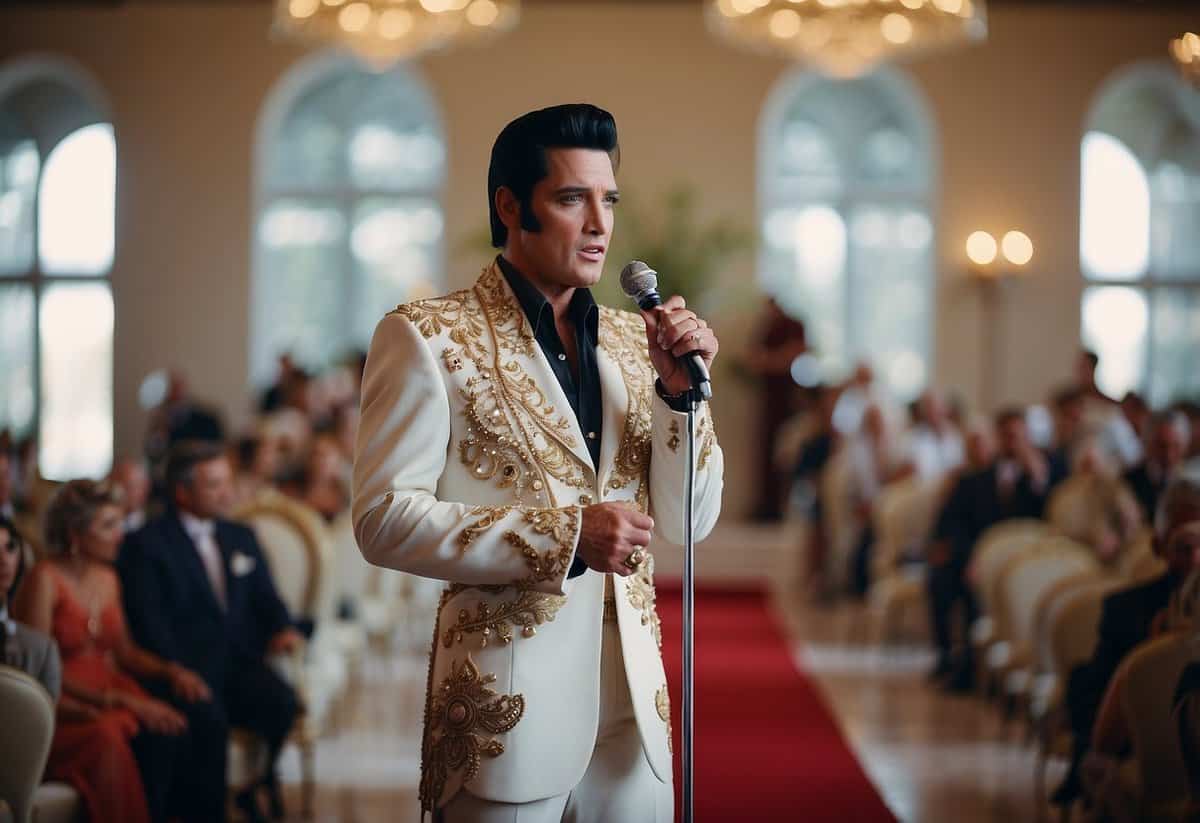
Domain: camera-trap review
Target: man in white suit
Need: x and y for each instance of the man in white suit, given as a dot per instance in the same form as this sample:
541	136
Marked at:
523	444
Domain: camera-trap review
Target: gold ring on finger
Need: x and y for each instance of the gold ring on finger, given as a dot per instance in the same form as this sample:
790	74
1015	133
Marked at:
636	558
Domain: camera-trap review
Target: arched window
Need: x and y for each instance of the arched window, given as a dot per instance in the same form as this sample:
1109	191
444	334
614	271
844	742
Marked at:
1139	235
349	218
846	202
57	226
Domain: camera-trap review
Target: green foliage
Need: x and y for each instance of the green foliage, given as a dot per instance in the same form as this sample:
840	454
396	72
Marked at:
669	237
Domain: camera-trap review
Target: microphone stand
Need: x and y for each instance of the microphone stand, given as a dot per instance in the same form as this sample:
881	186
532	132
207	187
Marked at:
689	608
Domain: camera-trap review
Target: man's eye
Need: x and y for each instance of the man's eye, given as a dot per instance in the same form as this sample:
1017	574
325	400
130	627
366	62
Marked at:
571	198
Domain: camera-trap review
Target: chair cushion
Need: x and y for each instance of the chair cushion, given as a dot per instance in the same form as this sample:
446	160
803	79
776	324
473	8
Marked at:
56	803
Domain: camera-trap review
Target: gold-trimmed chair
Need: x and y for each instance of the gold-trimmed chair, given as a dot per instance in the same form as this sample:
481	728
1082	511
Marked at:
297	545
991	554
903	516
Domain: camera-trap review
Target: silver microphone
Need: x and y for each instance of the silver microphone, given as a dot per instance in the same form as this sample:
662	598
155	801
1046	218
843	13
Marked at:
640	282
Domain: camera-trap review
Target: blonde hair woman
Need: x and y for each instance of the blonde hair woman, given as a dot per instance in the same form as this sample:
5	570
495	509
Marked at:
107	725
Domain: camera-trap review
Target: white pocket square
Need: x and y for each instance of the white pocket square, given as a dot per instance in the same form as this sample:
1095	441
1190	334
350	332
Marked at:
241	564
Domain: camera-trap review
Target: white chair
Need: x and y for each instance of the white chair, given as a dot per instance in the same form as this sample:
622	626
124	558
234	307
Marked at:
842	528
1152	672
297	545
903	516
1025	580
993	551
25	736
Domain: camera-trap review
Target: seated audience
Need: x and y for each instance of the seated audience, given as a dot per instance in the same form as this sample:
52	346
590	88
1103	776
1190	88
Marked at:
1125	621
199	592
257	466
933	446
1108	516
21	647
873	464
1165	452
1103	420
131	477
1014	485
113	743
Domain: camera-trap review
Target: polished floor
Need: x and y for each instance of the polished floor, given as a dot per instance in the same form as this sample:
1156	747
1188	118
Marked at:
934	758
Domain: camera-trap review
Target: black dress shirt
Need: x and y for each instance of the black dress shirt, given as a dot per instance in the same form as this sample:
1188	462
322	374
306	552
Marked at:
582	389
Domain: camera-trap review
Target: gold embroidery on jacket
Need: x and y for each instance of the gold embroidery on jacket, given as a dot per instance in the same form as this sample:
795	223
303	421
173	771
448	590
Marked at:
673	441
639	590
464	713
706	433
623	337
662	703
530	610
562	526
488	516
426	748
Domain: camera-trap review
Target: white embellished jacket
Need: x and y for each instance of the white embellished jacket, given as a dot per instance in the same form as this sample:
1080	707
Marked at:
470	467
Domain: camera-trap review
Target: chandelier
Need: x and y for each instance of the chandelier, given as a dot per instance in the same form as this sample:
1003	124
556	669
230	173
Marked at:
846	37
1185	51
385	31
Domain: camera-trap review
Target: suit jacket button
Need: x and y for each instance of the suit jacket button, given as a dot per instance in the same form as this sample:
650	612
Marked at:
585	499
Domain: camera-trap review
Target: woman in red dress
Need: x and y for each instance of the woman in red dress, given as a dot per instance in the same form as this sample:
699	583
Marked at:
110	734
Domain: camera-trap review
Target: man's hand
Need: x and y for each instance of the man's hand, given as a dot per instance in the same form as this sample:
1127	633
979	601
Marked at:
609	533
671	332
285	642
187	685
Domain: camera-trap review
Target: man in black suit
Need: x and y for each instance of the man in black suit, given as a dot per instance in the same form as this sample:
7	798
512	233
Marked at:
1165	452
1125	620
198	591
1014	485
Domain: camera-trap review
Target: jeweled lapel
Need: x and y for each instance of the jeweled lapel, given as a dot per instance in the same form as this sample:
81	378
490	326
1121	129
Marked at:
550	431
623	342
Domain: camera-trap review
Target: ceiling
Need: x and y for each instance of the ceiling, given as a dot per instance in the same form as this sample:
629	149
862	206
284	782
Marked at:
1109	4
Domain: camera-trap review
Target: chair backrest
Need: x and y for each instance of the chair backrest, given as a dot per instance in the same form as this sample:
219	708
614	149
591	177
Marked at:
297	545
1138	561
1071	508
903	515
1029	578
841	526
993	551
25	736
352	571
1152	672
1073	626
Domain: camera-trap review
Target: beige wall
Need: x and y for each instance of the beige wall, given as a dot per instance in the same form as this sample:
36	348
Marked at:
186	84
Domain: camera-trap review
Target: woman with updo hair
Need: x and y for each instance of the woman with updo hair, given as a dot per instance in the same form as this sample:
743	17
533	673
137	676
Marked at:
107	725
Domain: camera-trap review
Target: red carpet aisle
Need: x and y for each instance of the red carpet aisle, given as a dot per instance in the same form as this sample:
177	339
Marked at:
767	748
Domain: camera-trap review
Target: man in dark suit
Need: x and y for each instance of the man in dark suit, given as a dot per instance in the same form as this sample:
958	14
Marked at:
198	591
1125	620
1165	452
1014	485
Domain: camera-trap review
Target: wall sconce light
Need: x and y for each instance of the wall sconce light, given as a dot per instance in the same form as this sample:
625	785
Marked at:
990	259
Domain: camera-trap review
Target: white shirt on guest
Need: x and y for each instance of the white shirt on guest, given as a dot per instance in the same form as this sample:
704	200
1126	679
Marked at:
202	533
934	453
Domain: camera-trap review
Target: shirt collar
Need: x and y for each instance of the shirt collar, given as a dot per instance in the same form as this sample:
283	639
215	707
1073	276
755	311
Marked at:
583	309
196	528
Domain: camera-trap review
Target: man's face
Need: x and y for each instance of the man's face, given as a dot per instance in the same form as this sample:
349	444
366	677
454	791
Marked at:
1012	438
574	205
1167	446
210	493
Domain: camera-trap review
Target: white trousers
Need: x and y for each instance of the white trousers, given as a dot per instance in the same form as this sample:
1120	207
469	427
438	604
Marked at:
618	786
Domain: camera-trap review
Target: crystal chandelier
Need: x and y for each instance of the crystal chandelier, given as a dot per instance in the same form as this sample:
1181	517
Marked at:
385	31
1185	51
847	37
